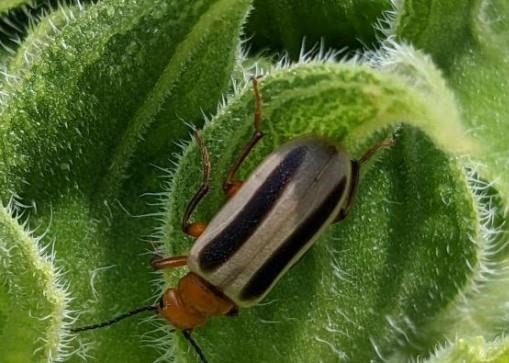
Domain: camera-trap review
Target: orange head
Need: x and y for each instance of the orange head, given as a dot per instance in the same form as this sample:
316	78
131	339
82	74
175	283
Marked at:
192	303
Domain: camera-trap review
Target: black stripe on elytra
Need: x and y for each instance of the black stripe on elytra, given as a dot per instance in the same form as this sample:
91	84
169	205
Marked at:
237	232
271	269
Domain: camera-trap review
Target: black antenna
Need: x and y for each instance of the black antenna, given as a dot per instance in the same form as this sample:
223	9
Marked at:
195	345
114	320
186	333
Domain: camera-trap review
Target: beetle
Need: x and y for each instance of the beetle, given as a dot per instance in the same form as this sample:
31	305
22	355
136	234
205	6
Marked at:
266	226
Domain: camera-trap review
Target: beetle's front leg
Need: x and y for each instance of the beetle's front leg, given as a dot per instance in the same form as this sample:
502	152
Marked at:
231	185
191	229
196	229
169	262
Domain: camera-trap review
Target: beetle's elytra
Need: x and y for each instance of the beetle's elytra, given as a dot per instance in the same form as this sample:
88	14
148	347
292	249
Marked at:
268	223
273	219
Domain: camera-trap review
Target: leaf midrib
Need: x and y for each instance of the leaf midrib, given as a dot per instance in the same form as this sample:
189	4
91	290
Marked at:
109	186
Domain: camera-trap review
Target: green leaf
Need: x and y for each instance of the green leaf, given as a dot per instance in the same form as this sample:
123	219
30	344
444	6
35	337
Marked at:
474	350
94	101
7	5
399	259
469	40
32	299
17	18
36	41
283	25
88	120
34	6
4	55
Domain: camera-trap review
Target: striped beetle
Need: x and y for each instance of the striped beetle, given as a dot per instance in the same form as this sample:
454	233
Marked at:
266	226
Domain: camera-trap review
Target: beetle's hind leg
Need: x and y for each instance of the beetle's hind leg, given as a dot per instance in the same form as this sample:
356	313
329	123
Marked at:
230	185
196	229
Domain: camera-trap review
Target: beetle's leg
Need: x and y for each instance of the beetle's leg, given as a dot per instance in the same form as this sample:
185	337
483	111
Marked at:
169	262
354	185
230	185
352	192
373	150
196	229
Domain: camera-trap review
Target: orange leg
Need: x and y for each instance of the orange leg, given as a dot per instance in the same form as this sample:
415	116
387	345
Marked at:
169	262
196	229
373	150
230	185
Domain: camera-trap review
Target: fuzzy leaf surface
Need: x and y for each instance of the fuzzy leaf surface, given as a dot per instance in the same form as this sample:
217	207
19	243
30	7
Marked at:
399	258
7	5
283	25
86	121
469	40
472	350
32	299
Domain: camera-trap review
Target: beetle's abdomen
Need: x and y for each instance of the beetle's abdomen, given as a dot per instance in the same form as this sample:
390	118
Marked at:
273	219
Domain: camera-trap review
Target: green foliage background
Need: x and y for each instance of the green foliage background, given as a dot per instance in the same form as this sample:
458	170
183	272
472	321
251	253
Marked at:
96	166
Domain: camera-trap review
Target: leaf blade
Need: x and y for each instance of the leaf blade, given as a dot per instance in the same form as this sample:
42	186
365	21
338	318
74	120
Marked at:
342	291
60	140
